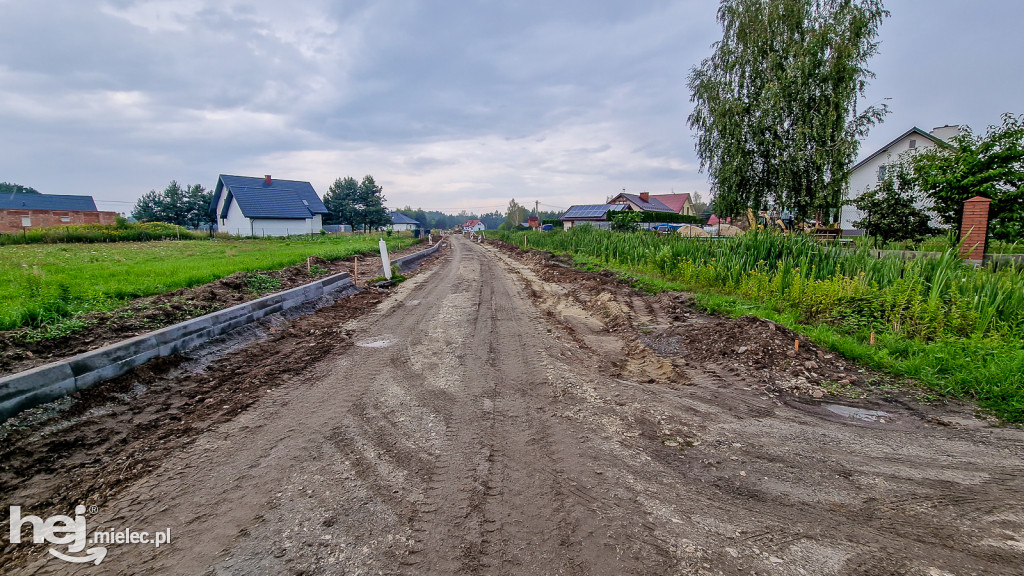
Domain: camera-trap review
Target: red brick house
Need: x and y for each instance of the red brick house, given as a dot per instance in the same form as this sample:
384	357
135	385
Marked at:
21	211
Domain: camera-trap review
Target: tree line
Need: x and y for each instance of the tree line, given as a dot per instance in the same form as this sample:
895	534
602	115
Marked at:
12	188
186	206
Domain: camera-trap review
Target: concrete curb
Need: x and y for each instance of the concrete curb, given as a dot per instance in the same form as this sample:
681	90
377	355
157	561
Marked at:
51	381
410	262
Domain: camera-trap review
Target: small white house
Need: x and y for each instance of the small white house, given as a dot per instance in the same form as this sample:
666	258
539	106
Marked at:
473	226
247	206
869	172
401	223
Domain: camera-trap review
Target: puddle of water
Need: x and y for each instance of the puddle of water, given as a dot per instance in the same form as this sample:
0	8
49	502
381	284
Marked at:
375	343
858	413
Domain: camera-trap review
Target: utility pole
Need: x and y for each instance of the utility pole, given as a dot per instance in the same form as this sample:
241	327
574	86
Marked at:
536	208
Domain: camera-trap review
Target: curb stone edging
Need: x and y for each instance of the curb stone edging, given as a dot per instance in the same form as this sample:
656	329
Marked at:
409	262
51	381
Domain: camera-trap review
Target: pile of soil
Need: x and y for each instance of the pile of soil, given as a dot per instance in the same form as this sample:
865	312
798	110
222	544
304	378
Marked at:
779	357
22	349
753	349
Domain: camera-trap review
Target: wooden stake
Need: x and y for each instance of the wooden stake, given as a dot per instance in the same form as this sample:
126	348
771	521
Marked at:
355	272
796	346
871	339
307	265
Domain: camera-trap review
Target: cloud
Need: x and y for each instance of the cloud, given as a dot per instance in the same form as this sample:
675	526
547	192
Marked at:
448	105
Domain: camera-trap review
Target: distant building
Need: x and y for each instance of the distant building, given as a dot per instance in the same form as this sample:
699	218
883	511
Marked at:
400	222
533	222
642	202
247	206
473	226
597	215
869	172
20	211
678	203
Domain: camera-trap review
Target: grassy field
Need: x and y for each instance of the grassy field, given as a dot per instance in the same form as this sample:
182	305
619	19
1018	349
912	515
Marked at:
44	283
956	329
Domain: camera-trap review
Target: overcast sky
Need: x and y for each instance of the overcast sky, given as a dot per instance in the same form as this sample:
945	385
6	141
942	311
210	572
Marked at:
449	105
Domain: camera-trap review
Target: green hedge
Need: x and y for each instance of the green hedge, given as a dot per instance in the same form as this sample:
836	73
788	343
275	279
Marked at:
121	232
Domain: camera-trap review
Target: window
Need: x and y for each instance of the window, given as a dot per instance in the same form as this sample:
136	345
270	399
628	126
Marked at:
913	144
65	218
26	221
881	172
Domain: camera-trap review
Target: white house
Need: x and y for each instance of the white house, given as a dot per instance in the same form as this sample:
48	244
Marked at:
473	226
869	172
400	222
246	206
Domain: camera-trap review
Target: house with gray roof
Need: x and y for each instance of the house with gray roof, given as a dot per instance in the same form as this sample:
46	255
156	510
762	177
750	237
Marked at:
642	202
26	211
247	206
400	222
871	171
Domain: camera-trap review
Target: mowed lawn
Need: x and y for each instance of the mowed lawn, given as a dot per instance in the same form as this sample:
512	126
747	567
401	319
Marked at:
41	283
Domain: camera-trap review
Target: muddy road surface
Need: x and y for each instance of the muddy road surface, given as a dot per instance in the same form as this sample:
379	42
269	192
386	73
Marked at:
502	415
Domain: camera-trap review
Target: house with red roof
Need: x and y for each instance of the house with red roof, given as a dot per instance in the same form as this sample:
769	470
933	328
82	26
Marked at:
679	203
473	226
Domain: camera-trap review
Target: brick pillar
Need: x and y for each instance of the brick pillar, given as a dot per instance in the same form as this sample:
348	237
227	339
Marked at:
974	228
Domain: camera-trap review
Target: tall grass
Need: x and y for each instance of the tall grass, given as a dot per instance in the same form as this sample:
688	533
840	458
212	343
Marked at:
44	283
938	319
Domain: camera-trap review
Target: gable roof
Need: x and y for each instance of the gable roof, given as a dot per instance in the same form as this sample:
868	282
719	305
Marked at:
652	205
22	201
399	218
591	211
471	223
914	130
674	201
287	199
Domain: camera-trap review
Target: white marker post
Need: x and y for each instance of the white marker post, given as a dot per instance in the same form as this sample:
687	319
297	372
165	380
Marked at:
384	259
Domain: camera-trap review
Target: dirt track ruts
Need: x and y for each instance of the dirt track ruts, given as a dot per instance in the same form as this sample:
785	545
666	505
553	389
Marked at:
487	421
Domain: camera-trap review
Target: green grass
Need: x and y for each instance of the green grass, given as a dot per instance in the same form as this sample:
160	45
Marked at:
45	284
957	329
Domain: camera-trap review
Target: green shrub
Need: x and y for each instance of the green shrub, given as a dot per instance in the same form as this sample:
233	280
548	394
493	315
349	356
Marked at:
121	231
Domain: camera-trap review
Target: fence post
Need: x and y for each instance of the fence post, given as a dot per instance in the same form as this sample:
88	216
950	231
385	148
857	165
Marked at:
974	229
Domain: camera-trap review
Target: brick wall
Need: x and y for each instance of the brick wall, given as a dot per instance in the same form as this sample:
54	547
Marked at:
974	228
11	220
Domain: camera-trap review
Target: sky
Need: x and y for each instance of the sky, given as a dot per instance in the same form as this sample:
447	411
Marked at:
449	105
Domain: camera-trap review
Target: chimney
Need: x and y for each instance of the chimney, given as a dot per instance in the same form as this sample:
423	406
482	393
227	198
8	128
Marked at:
266	179
946	132
645	196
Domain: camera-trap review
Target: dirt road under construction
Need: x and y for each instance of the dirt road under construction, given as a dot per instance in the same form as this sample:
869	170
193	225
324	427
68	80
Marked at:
505	414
